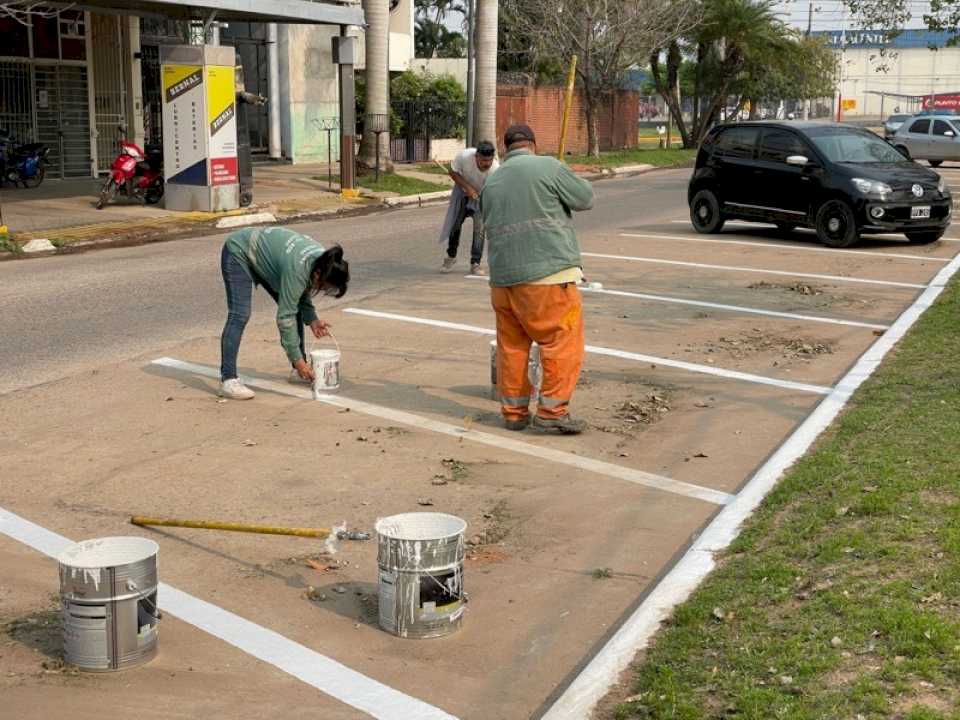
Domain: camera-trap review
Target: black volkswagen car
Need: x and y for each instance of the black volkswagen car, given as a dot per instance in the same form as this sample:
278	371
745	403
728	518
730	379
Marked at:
841	181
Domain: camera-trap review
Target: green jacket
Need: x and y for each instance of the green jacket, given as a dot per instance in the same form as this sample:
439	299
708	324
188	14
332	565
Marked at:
527	207
282	260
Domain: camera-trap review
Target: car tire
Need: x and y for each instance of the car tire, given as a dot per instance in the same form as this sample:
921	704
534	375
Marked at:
785	228
925	237
836	225
902	149
705	213
935	163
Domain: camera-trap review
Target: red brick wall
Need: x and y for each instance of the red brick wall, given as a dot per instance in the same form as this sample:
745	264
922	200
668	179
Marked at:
542	109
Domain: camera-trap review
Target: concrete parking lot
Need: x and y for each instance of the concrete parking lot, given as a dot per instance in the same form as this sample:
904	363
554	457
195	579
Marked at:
705	354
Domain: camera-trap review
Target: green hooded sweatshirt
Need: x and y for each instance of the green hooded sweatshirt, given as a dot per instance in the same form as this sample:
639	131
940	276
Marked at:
282	260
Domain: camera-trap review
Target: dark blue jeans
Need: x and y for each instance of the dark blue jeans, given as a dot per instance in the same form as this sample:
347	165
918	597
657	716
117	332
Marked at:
453	242
239	286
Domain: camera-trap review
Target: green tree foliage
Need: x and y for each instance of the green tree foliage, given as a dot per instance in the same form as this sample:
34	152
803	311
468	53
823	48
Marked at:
432	37
893	15
435	102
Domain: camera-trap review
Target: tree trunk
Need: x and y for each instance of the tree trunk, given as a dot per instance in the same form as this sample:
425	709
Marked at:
669	88
377	13
590	115
485	105
701	55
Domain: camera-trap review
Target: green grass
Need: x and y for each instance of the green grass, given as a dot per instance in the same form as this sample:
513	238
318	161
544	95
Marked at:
8	244
656	157
860	542
390	182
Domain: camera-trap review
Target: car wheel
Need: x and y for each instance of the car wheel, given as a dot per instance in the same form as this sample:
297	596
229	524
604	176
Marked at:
935	163
705	213
902	149
926	237
785	228
836	225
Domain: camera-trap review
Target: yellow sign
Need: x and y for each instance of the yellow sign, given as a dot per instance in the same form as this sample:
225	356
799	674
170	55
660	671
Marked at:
849	104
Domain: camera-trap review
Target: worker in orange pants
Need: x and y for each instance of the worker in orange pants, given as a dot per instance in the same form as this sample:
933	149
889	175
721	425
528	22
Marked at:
535	266
551	316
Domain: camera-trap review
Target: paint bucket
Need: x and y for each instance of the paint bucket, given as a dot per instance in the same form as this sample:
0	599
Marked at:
420	558
109	592
534	370
326	369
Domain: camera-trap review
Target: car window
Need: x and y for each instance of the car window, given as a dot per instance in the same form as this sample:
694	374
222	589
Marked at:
920	127
738	142
778	145
942	127
849	145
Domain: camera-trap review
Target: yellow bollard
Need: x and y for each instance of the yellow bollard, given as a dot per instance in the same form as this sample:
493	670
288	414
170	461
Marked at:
567	105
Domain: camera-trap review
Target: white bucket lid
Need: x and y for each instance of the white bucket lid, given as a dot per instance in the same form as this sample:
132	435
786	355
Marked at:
421	526
108	552
325	353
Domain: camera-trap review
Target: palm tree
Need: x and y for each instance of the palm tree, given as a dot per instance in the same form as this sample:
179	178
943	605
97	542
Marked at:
377	41
485	117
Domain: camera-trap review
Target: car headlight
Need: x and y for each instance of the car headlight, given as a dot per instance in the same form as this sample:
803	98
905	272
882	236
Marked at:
942	187
872	187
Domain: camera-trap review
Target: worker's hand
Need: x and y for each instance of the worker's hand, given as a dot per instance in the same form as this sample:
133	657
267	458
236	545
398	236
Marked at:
320	328
304	370
473	195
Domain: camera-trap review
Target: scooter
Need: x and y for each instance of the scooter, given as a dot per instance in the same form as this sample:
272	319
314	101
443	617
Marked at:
135	174
22	164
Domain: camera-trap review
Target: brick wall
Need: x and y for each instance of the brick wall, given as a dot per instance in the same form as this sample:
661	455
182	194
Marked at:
542	109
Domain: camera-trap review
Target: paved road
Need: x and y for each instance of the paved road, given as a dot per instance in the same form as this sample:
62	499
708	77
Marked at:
69	314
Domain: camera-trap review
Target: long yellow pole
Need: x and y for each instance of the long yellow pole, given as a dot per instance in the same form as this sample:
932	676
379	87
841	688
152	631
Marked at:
567	105
232	527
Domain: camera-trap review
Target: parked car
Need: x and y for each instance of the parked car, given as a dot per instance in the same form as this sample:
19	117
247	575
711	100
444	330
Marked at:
937	111
893	124
933	138
841	181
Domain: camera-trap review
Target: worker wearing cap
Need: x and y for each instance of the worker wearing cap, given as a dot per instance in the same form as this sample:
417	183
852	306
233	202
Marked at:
535	266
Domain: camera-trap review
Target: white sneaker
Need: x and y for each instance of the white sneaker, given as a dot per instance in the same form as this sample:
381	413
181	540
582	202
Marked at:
295	379
236	390
477	269
448	263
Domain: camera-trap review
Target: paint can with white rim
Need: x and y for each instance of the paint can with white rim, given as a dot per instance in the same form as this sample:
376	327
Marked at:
108	587
420	558
326	369
534	370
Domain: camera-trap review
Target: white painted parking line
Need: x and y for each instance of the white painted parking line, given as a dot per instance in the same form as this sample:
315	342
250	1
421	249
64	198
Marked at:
721	306
595	680
326	675
785	246
638	477
610	352
733	268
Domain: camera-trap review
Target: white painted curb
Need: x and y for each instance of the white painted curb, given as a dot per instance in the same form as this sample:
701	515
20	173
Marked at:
235	221
595	680
39	245
418	200
632	169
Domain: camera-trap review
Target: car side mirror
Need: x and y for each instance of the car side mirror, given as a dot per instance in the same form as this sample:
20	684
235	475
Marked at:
798	160
949	133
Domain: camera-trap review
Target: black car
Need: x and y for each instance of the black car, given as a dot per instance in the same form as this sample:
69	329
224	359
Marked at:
841	181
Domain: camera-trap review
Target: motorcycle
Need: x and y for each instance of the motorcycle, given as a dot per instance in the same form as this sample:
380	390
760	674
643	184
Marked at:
24	164
135	174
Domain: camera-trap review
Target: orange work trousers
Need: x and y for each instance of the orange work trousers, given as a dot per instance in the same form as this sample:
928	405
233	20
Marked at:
551	316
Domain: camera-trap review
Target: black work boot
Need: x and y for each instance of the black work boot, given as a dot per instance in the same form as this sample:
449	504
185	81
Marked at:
517	425
565	425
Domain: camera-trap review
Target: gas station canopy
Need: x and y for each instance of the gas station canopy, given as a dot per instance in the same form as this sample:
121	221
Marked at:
314	12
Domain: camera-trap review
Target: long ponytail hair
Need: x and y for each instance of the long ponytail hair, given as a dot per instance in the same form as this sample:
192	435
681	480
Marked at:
330	269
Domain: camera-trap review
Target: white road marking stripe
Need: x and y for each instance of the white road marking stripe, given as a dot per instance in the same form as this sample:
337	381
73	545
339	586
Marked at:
623	354
832	278
638	477
720	306
786	246
594	681
326	675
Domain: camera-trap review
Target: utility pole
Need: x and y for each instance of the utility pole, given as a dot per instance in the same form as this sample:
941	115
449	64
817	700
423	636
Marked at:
485	121
806	102
471	68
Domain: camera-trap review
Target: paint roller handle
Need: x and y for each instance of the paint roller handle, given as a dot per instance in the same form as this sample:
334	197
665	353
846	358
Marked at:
321	533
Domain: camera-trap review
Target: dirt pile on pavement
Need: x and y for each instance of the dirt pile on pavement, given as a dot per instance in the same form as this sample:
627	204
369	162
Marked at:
801	288
631	416
759	342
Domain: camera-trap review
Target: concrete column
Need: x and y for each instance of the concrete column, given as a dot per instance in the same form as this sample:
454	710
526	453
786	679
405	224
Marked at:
133	79
273	105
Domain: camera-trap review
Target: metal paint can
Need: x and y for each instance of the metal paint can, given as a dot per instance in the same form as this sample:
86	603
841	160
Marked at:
108	588
326	370
420	559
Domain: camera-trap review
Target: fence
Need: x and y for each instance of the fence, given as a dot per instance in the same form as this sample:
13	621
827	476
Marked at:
413	124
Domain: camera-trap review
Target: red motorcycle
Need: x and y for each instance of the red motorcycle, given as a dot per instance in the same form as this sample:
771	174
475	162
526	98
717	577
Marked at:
136	174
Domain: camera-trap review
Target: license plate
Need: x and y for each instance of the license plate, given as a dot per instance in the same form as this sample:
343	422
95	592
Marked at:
920	212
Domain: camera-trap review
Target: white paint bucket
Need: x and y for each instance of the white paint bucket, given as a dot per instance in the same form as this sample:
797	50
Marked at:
326	370
534	370
109	592
420	558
